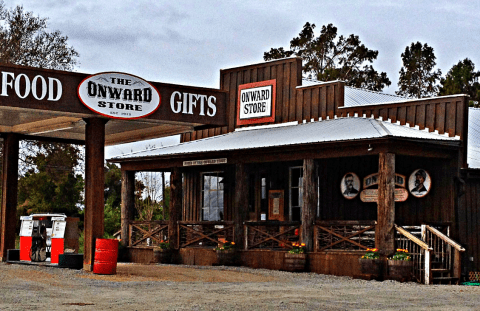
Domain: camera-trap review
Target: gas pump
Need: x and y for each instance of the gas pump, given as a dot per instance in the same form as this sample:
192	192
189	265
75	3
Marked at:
43	237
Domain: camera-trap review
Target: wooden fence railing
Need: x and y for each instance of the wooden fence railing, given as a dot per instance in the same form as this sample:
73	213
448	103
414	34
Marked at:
271	235
446	252
205	233
147	233
344	235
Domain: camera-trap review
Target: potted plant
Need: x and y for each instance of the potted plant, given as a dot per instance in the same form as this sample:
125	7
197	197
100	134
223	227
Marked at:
225	253
162	252
371	264
400	265
296	258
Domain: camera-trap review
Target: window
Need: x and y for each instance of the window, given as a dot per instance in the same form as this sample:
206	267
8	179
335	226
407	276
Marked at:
212	196
295	193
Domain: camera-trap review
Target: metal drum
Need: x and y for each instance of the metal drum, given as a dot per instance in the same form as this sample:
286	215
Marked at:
106	253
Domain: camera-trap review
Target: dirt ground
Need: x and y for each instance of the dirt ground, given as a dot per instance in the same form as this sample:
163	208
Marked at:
176	287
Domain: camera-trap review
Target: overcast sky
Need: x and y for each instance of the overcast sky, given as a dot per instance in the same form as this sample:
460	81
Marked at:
189	41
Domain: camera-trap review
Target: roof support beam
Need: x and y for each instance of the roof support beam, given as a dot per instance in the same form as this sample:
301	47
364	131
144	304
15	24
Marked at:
384	233
94	187
310	199
8	213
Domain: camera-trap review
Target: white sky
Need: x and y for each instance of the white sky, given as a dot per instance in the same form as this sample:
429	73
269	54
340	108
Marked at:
189	41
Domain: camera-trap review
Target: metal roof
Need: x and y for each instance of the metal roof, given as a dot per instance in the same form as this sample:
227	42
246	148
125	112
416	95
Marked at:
334	130
473	142
359	97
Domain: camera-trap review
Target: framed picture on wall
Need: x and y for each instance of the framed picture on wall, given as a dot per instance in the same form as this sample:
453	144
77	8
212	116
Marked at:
350	186
419	183
276	205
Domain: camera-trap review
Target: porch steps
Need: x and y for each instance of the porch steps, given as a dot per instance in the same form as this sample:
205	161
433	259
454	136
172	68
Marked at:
447	280
441	275
437	237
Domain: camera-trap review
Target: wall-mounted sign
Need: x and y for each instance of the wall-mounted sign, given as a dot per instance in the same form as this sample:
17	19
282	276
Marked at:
256	102
276	205
372	180
119	95
205	162
350	186
419	183
371	195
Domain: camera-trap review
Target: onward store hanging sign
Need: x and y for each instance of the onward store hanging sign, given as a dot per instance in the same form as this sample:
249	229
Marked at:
119	95
256	102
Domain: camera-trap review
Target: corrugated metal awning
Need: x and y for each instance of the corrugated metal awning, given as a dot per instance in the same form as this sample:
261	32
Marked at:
335	130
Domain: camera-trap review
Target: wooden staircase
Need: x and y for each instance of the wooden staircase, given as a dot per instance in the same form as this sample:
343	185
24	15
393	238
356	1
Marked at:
441	275
437	258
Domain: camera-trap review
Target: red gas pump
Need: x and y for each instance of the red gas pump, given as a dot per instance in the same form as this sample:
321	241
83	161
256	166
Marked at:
43	237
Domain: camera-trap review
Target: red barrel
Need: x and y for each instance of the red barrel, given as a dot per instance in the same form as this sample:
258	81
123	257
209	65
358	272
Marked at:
106	253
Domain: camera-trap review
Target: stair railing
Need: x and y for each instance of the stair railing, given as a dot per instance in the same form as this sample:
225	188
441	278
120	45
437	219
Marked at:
442	250
420	252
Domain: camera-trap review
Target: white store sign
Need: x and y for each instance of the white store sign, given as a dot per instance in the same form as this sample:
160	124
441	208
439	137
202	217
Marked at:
119	95
256	102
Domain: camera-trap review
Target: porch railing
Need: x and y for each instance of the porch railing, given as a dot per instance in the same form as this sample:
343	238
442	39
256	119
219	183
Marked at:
205	233
147	233
344	235
420	252
271	235
446	252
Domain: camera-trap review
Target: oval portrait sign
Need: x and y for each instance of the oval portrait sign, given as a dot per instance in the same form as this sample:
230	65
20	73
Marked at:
350	185
119	95
419	183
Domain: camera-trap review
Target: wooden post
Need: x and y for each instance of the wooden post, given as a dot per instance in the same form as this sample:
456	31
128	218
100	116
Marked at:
385	234
128	201
310	198
240	201
175	207
8	213
428	266
94	187
457	265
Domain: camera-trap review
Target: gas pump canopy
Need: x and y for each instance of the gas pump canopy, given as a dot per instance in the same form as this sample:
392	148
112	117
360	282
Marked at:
41	103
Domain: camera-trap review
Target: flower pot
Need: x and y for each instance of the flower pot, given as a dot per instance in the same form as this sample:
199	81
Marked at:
161	255
371	267
400	270
226	257
294	262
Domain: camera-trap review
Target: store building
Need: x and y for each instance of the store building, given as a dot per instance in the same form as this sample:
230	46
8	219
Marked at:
337	168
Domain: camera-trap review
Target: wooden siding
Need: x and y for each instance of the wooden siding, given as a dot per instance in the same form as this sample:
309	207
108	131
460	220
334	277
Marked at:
143	255
438	206
192	196
446	115
469	221
333	206
336	263
288	74
443	114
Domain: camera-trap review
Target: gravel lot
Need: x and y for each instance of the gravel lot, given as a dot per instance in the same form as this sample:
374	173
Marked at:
176	287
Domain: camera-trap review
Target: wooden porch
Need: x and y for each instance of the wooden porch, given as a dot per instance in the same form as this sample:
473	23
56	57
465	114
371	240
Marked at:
337	246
